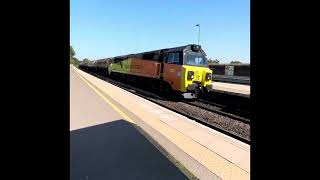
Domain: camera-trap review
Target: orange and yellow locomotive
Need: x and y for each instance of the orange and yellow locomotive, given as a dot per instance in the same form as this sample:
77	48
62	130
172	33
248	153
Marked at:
182	70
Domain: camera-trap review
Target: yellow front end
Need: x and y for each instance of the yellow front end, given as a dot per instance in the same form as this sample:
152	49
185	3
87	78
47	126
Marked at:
199	77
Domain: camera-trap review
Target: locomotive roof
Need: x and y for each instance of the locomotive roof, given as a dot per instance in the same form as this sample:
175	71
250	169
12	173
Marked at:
186	47
180	48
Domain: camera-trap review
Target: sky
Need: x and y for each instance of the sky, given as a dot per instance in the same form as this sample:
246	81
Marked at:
107	28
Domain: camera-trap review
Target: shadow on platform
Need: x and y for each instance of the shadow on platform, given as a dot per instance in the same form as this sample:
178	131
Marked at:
116	150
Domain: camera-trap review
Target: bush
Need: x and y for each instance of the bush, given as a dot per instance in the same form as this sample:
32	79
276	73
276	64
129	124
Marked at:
235	62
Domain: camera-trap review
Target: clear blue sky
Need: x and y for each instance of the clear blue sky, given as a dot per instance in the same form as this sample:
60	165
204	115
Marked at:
106	28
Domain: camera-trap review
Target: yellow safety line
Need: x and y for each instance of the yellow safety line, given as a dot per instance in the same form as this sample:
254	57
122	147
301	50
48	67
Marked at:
114	107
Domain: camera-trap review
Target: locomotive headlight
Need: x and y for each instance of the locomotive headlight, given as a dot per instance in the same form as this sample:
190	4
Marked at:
190	75
208	76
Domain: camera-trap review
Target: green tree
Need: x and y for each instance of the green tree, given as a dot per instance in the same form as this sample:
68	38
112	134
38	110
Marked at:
76	60
235	62
86	60
72	52
211	61
73	59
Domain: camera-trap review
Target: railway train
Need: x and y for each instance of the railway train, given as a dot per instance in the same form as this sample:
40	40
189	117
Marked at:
180	70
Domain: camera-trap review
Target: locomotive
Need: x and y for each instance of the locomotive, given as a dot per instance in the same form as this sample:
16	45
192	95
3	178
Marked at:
180	70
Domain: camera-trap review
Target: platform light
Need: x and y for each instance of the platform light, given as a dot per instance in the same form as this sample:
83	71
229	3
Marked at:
198	25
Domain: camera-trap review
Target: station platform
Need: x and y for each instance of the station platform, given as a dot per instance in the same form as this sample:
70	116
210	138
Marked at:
105	146
230	88
206	153
231	79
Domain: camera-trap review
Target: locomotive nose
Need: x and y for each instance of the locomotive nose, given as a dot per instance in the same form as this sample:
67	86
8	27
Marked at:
197	76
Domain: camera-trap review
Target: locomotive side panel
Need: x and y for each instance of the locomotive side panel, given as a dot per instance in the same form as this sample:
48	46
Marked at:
135	66
172	75
138	67
151	68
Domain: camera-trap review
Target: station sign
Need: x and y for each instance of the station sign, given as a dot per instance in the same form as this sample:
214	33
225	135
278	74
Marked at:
229	70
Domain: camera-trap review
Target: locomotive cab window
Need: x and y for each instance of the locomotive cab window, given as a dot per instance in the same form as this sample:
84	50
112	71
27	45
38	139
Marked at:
173	58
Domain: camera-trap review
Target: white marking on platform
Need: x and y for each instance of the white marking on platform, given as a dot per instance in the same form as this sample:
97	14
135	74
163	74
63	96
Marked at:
166	118
146	106
156	111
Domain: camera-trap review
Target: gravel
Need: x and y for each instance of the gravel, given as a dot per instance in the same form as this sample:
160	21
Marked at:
226	123
239	114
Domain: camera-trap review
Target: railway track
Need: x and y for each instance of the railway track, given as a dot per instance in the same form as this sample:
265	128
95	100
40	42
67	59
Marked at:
243	113
191	110
216	108
236	105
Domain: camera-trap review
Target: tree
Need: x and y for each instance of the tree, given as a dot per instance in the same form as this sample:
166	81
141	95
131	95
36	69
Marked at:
73	59
86	60
235	62
72	52
76	60
210	61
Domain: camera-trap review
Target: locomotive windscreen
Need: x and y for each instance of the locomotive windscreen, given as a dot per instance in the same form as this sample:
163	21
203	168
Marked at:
196	59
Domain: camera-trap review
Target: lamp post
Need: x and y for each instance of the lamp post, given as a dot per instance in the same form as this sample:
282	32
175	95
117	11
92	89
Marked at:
198	33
